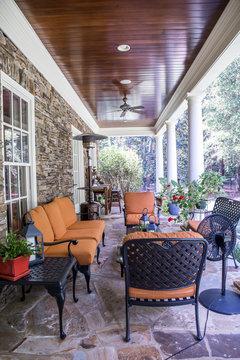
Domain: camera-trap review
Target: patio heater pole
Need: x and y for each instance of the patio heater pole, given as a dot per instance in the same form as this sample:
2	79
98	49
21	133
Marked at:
89	210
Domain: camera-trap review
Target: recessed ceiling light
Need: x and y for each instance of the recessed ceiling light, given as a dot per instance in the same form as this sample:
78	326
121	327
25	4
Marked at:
125	82
123	47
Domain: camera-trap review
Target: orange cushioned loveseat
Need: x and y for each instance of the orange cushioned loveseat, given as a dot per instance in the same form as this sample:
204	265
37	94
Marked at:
58	221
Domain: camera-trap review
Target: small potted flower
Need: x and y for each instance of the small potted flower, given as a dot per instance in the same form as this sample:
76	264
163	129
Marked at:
162	196
14	256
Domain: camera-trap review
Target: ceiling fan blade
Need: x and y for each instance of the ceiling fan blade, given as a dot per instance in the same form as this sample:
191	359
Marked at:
137	107
123	113
113	111
137	111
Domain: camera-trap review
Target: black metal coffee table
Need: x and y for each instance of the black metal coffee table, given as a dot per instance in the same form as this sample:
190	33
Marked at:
52	274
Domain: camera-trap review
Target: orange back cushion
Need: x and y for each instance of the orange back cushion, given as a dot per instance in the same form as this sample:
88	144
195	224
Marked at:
135	202
172	235
56	220
42	223
67	210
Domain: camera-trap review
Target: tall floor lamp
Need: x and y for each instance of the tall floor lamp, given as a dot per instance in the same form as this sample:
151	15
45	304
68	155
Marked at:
89	209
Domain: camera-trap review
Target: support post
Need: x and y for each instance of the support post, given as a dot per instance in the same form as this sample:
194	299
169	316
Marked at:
159	160
171	151
195	137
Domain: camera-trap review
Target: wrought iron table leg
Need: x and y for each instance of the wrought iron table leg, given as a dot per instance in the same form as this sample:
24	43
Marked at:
98	253
74	271
59	293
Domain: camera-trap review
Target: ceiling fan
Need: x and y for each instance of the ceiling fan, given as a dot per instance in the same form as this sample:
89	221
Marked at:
126	107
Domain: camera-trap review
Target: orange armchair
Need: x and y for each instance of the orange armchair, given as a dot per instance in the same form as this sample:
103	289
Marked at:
134	203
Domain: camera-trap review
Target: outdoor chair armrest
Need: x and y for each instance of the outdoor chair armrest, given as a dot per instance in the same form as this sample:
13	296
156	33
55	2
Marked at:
74	242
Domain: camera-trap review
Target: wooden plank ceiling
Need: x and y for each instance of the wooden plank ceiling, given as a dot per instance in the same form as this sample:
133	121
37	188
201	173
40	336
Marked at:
83	35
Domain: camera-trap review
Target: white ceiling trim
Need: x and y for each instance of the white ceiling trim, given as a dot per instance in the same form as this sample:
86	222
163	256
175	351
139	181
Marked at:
127	131
221	47
14	24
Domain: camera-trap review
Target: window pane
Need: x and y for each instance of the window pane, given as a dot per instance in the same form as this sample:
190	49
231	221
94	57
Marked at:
7	106
9	221
8	156
14	181
16	225
17	146
16	110
7	184
24	115
25	150
23	207
23	181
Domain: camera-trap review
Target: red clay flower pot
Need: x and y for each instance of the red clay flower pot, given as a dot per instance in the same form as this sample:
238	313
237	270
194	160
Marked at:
14	269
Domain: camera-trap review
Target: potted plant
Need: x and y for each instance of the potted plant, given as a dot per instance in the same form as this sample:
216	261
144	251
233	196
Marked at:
162	196
14	256
196	193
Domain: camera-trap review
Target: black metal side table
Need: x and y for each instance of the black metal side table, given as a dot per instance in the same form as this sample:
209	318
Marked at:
52	274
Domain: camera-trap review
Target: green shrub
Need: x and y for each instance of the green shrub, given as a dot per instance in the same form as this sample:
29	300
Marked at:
121	168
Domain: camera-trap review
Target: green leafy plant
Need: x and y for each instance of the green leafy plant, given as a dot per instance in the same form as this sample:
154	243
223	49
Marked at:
190	195
236	252
15	246
121	168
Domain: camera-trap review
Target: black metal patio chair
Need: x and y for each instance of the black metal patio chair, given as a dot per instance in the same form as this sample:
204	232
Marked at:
164	272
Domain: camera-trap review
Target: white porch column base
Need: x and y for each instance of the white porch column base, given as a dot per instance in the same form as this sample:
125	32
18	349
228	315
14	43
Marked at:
171	152
195	137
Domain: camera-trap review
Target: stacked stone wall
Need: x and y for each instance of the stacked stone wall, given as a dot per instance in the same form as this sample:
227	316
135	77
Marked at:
53	120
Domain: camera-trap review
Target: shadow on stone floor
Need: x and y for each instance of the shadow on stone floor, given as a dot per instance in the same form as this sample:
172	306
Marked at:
95	326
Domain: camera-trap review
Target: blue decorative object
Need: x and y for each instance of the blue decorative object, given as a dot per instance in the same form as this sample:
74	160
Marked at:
173	209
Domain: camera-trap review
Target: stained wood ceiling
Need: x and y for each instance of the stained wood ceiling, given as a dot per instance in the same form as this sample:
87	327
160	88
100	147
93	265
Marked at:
164	35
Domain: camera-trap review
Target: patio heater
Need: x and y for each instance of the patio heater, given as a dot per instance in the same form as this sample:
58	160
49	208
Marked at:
90	209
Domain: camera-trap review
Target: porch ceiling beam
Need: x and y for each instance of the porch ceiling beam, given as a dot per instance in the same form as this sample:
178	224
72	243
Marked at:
127	131
14	24
221	47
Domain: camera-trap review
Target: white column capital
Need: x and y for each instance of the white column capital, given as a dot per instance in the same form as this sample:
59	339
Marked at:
191	96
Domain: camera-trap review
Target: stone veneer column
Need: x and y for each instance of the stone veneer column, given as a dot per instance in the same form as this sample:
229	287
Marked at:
159	159
171	151
195	137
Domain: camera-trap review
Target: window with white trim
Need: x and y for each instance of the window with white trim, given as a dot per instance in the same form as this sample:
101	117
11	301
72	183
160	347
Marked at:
18	151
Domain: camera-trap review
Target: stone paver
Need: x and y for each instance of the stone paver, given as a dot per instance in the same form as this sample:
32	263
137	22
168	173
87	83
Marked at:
95	325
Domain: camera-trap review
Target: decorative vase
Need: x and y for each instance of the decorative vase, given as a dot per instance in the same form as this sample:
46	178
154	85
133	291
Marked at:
14	269
173	209
201	205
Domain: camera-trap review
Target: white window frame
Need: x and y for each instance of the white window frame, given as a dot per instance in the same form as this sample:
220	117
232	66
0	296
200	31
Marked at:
81	197
17	89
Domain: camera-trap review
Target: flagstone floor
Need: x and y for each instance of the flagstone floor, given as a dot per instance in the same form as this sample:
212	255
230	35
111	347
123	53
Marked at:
95	325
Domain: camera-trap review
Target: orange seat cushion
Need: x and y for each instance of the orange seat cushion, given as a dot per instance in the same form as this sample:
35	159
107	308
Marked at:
162	294
135	202
84	251
67	210
193	225
42	223
133	219
151	235
89	224
56	220
92	234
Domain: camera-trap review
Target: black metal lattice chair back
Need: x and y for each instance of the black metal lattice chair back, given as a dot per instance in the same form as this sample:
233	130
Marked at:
229	208
163	265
